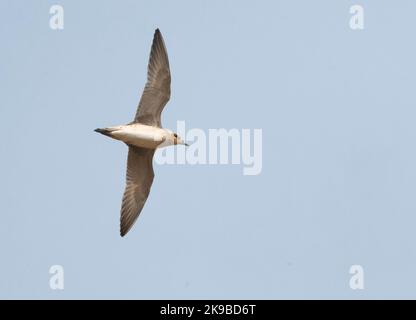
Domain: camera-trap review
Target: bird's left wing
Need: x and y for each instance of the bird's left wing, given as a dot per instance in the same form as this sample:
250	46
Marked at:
139	179
157	90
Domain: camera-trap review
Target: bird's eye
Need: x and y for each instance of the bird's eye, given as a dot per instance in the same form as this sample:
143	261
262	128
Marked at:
175	135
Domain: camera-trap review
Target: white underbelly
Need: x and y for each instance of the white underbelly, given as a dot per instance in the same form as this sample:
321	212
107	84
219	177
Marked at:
140	135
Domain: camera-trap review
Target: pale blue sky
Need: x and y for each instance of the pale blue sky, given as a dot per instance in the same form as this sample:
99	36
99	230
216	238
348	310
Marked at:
338	186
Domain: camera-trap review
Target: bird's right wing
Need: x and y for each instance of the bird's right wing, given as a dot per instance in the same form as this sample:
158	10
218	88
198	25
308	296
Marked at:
157	90
139	179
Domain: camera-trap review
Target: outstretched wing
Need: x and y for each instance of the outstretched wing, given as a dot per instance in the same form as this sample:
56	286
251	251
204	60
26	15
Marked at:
157	90
139	179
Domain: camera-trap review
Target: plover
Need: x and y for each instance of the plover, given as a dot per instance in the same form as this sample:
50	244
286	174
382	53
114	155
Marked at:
145	134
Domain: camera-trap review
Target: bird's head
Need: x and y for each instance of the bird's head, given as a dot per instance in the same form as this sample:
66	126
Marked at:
178	140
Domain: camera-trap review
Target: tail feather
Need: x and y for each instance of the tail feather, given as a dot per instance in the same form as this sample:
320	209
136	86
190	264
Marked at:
104	131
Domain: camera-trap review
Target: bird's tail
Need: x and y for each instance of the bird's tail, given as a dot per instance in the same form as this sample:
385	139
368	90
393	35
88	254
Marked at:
105	131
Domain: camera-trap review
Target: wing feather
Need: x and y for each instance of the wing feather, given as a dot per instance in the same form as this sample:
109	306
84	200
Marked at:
139	179
157	90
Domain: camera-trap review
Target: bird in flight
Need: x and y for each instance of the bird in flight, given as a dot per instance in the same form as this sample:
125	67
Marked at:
145	134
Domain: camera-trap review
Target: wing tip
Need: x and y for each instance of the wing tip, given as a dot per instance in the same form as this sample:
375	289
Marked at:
123	231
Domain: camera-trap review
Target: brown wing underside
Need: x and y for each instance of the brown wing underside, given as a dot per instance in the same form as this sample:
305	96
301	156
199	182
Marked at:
139	179
157	90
